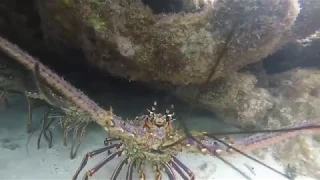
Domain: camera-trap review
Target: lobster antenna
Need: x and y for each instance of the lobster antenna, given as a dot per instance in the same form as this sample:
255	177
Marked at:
196	98
44	90
153	109
250	157
170	114
266	130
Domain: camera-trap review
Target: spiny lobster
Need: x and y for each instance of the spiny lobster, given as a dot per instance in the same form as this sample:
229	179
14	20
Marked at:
154	146
61	113
15	80
154	140
68	117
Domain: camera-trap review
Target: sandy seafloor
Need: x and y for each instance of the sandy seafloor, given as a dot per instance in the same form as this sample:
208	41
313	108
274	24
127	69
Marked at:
20	158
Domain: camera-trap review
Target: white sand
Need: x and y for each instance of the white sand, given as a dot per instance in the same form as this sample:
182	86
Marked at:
19	161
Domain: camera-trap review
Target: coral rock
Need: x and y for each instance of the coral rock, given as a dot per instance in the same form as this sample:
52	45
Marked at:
127	39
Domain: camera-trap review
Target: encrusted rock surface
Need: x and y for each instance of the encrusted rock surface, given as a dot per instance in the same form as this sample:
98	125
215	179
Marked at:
274	101
125	37
177	47
178	44
235	98
296	97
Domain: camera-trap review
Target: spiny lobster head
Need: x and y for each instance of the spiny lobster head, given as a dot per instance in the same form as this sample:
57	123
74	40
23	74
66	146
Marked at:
156	119
159	120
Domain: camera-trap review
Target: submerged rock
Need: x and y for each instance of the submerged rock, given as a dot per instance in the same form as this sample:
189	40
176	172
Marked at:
180	46
235	99
296	94
127	39
179	42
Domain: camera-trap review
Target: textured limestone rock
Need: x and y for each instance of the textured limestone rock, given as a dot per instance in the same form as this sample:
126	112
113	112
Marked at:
180	45
297	97
125	37
235	99
301	153
271	101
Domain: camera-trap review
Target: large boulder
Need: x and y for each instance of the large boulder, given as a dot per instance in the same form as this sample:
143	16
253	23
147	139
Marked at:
178	46
126	38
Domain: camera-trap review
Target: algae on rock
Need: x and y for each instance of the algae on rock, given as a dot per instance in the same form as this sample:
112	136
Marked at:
297	95
125	38
235	99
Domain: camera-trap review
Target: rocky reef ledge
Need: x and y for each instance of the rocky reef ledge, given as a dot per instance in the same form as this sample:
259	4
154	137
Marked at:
265	52
174	45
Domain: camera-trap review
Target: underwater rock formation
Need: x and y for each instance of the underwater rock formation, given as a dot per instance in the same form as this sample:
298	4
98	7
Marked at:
127	39
275	101
296	97
175	42
296	94
253	99
235	98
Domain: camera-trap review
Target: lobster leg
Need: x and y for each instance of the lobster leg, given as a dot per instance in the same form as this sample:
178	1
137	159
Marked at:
74	140
92	154
44	128
67	128
169	172
130	170
183	167
30	107
57	117
118	169
83	130
48	138
142	176
65	135
108	141
158	175
101	164
63	127
179	171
